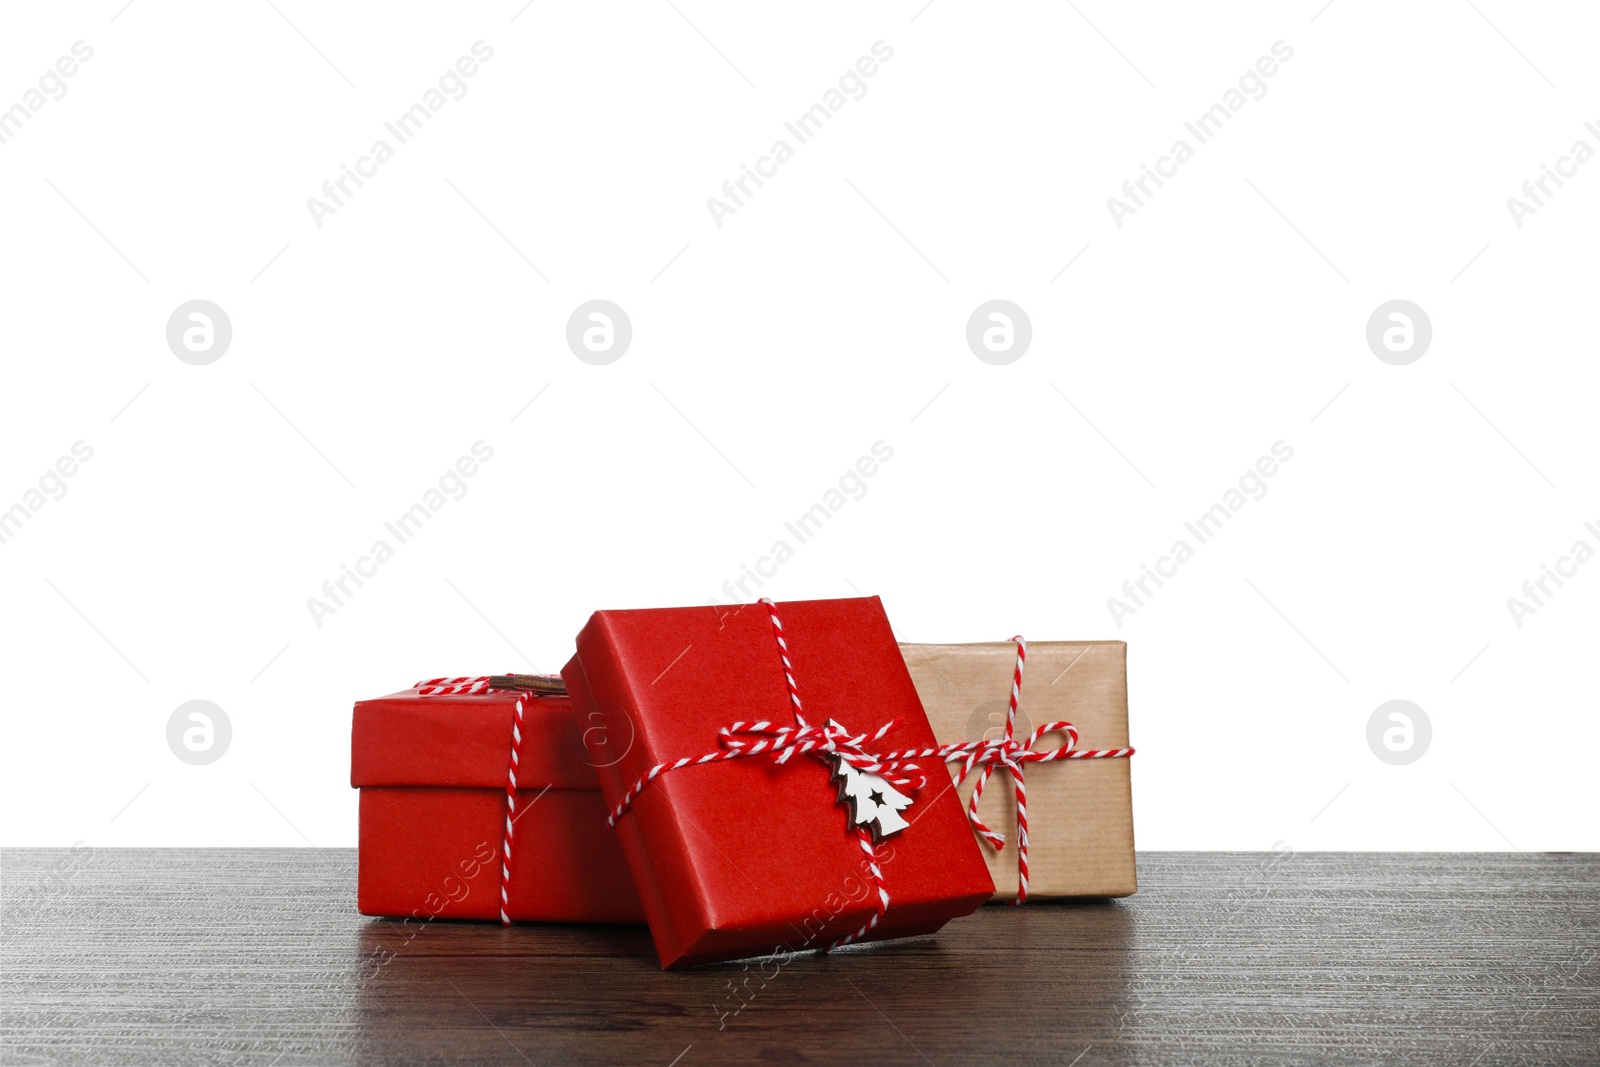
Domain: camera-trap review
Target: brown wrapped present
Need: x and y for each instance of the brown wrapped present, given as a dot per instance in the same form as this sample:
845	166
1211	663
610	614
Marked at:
1079	799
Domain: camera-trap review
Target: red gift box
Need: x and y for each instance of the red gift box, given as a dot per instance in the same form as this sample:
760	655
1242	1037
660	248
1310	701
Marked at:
432	769
744	856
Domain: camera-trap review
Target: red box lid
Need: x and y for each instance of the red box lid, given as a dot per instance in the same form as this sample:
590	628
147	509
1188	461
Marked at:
464	740
735	858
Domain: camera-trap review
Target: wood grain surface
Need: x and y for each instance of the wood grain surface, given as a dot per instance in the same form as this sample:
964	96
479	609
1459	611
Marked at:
257	957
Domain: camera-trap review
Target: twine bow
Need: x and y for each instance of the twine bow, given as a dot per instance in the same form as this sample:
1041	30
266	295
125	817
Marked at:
831	739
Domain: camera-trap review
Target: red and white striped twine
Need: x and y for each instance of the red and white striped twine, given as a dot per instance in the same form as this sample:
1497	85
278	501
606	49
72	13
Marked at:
743	739
511	810
1011	754
475	687
439	687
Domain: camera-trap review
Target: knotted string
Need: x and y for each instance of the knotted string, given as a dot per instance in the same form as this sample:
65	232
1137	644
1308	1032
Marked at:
480	686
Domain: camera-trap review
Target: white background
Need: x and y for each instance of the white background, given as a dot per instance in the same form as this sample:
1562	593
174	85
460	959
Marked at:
769	354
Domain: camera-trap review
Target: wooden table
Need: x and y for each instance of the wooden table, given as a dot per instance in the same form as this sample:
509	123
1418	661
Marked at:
256	956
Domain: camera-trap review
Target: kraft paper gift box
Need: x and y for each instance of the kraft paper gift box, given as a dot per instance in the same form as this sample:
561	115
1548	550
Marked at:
740	857
432	764
1080	812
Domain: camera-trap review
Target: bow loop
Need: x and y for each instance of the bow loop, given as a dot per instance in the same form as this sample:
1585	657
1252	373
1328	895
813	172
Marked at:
1051	754
781	743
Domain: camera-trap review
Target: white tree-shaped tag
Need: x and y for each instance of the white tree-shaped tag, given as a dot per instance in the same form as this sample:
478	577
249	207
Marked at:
874	803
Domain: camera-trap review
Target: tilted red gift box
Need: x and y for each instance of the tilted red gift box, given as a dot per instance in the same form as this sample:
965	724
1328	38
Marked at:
746	857
432	770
